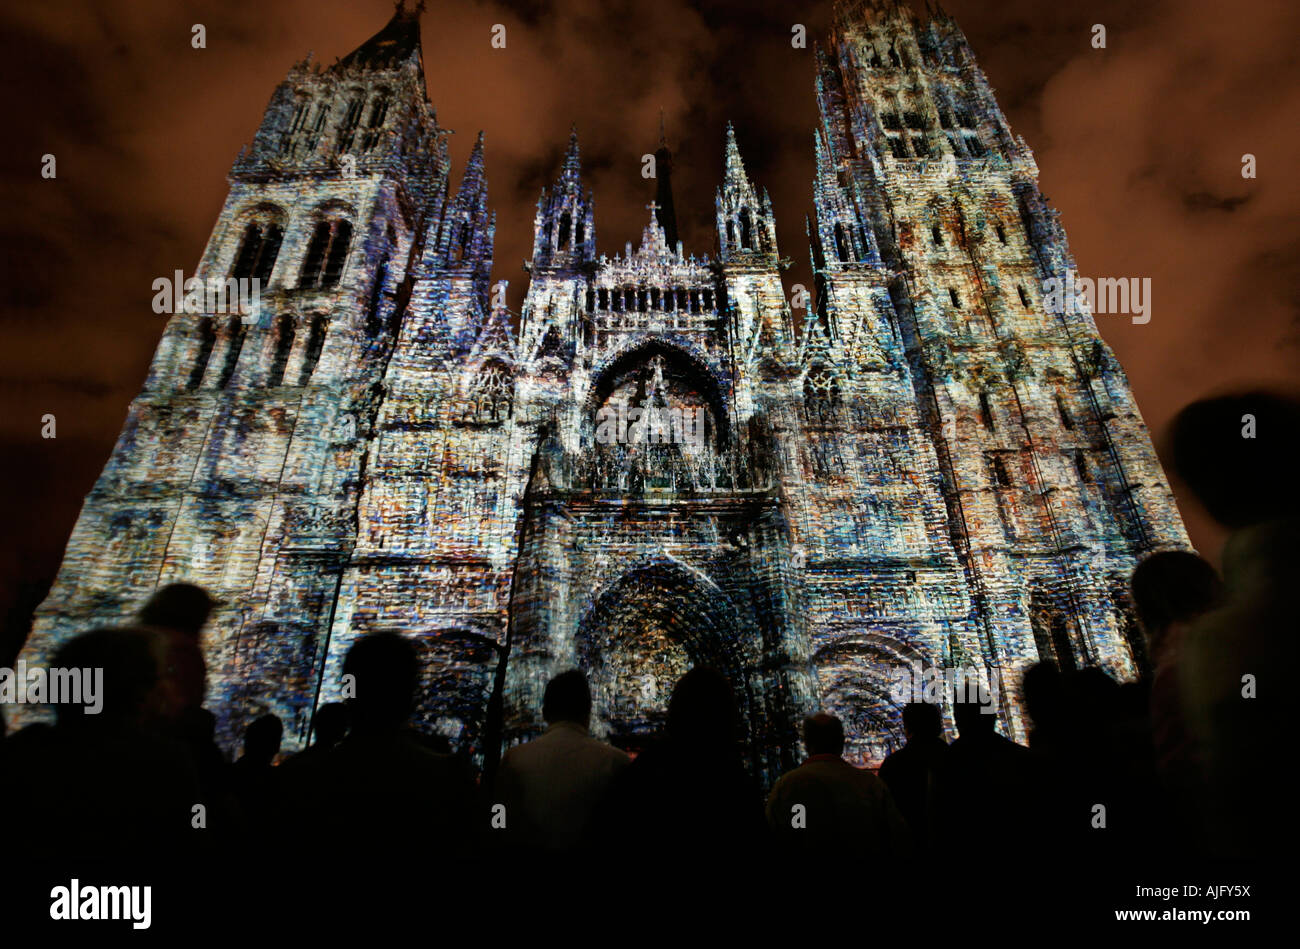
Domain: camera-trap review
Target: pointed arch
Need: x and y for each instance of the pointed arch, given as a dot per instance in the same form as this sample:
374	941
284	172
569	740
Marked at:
644	630
490	393
688	366
259	246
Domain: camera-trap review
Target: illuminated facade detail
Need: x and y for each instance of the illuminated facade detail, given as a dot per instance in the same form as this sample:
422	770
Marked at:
930	467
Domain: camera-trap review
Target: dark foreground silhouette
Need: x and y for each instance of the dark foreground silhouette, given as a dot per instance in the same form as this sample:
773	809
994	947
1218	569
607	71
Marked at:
1177	769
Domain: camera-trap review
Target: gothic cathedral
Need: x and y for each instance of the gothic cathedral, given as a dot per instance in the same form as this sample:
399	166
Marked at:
653	465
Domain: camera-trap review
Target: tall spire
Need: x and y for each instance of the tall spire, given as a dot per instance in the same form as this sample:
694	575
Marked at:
396	45
664	208
475	176
745	226
564	229
464	236
735	169
572	169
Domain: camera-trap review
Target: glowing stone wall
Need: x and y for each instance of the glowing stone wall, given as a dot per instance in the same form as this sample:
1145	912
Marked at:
930	467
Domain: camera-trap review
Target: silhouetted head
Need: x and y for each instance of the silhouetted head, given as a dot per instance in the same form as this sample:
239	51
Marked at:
385	670
262	740
823	734
973	722
129	674
331	723
922	721
1235	453
702	711
567	699
1173	586
183	607
1091	689
198	724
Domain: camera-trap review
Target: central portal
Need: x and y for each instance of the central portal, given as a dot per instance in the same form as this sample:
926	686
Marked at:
642	635
633	683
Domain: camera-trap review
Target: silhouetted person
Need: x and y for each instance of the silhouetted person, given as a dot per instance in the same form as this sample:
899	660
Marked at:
329	727
1237	453
253	778
380	788
261	744
1171	590
552	786
1043	690
100	784
179	612
1113	763
988	786
196	730
912	771
689	795
827	806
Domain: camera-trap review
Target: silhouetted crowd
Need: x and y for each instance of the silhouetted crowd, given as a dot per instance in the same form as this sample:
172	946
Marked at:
1182	763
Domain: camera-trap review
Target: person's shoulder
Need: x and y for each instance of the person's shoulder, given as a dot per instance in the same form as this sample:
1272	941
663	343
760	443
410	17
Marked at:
527	753
894	757
605	750
809	772
868	778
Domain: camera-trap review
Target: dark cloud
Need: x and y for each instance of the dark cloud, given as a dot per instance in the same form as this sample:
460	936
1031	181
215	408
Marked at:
1204	201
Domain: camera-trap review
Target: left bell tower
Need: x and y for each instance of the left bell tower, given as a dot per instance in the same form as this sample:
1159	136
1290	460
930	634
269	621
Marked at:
240	464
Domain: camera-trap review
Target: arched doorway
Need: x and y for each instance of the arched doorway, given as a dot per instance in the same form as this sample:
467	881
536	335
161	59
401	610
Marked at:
858	678
643	633
457	671
659	375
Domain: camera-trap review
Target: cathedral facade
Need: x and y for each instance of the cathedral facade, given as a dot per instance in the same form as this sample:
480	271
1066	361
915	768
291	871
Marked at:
660	462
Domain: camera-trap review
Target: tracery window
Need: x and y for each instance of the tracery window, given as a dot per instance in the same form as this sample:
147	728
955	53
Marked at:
490	394
821	395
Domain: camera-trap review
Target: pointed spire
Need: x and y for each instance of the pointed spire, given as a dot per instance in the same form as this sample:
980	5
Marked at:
397	44
572	168
564	228
745	224
665	207
475	175
462	237
735	167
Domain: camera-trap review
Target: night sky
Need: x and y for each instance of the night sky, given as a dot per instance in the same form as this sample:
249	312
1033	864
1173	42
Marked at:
1139	147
